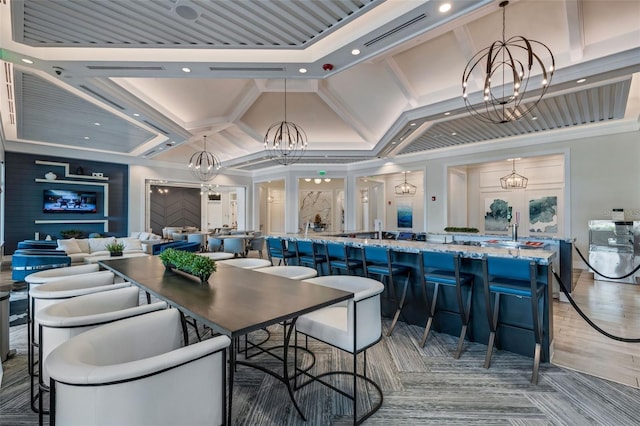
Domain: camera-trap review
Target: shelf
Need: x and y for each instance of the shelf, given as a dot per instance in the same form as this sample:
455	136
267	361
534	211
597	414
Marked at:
66	170
105	186
105	223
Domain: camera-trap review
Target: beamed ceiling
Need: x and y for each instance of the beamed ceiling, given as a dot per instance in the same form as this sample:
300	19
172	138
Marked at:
120	64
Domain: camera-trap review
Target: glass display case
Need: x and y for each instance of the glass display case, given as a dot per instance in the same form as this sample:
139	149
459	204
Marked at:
614	249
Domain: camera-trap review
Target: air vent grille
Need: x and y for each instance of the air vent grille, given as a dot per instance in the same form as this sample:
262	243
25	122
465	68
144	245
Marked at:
98	95
395	30
124	68
248	69
164	132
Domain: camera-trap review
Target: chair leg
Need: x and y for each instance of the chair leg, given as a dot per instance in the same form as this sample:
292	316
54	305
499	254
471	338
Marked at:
465	313
537	330
400	303
493	327
432	312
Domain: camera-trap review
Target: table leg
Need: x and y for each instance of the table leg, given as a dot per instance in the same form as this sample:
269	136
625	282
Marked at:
287	380
232	367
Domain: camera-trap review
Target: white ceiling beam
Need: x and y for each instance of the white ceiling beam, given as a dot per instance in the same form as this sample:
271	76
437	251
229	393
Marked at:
575	26
395	73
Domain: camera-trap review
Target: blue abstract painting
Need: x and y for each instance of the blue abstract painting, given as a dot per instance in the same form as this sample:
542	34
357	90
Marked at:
405	214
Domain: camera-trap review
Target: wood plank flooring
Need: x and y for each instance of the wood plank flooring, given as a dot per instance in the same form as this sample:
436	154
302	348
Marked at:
427	386
615	307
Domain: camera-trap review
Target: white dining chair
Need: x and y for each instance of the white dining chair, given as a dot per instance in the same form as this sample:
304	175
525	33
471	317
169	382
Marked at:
352	326
247	263
290	271
59	322
137	372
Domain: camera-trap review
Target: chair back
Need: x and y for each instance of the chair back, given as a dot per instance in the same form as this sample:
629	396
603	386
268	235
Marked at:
196	238
233	245
214	244
336	251
440	260
53	274
376	254
406	236
112	365
275	247
507	268
257	244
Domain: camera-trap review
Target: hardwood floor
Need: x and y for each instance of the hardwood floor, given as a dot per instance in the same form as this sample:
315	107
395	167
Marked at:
615	307
427	386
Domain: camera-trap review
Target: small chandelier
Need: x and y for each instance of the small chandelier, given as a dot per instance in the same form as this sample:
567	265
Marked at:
507	72
285	142
405	188
204	165
513	180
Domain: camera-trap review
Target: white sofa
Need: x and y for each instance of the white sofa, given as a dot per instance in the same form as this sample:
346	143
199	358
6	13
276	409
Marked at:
78	249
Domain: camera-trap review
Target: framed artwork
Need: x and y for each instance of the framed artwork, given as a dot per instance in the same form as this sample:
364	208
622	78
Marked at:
405	213
496	210
543	215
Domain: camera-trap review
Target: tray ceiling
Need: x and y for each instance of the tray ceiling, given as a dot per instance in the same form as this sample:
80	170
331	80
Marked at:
122	64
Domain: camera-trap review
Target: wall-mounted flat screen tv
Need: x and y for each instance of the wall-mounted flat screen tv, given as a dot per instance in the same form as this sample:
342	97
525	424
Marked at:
63	201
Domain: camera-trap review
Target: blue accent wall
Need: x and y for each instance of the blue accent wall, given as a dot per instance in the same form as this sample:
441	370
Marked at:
24	197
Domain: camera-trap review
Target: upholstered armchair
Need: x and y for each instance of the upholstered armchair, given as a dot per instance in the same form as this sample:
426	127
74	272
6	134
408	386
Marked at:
136	371
352	326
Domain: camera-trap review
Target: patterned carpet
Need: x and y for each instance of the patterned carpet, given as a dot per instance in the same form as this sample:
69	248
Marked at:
420	386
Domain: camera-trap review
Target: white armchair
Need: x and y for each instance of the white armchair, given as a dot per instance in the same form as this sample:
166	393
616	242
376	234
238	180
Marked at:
55	291
136	372
60	322
353	326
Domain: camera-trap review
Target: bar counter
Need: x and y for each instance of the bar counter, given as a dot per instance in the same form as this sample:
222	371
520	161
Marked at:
514	311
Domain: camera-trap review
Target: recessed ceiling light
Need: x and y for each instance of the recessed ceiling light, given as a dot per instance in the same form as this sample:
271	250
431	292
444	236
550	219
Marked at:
412	124
393	143
307	179
135	114
302	70
447	113
161	148
534	118
186	69
355	52
582	80
27	61
87	137
96	123
445	7
453	133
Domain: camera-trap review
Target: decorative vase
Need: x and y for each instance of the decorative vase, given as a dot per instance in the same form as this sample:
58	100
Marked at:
50	176
115	253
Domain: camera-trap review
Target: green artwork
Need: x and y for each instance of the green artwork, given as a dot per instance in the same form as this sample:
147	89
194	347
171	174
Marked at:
496	215
543	215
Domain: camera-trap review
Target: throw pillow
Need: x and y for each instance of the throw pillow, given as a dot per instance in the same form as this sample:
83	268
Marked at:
100	244
69	246
131	243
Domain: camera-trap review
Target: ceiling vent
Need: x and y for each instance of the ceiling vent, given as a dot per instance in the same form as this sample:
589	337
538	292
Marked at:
98	95
248	69
395	30
123	68
164	132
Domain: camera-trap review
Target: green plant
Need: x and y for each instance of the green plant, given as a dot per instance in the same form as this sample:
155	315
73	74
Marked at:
191	263
71	233
461	229
318	218
115	247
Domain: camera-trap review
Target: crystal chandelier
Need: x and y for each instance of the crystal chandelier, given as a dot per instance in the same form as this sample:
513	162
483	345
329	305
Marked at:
204	165
507	66
513	180
285	142
406	188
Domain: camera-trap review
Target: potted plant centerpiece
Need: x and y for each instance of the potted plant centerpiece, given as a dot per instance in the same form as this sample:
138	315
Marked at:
199	266
115	248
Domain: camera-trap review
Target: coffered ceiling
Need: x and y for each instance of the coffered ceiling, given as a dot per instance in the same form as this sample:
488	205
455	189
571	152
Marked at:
108	78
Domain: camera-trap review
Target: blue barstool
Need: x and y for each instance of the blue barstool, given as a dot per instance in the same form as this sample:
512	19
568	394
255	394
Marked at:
277	249
442	268
379	261
338	256
311	254
518	278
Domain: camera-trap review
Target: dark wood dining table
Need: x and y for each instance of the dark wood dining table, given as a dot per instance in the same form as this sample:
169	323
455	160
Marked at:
234	302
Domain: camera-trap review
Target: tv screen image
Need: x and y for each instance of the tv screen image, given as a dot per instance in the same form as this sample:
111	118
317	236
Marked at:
63	201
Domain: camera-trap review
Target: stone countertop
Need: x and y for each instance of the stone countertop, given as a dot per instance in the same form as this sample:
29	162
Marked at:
543	257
